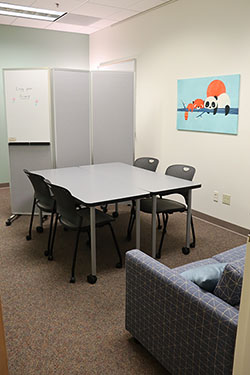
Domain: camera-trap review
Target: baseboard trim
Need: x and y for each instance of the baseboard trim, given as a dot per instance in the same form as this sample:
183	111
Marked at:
221	223
5	185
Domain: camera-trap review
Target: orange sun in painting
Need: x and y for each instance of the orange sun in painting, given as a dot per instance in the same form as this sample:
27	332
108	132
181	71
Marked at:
216	88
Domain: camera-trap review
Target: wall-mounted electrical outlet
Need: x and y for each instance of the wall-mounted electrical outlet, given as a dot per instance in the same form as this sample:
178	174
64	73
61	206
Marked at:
216	196
226	199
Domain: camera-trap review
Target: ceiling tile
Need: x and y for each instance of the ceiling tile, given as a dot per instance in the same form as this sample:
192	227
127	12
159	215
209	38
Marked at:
20	2
6	20
30	23
94	10
103	23
64	5
125	4
122	15
143	5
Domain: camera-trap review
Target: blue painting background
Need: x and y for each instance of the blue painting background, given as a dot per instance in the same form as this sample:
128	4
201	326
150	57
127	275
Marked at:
194	88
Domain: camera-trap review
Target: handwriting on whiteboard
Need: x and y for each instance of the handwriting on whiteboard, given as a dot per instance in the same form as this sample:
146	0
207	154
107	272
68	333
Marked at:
24	93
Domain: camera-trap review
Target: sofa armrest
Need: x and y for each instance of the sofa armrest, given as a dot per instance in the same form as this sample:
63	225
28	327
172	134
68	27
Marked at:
188	330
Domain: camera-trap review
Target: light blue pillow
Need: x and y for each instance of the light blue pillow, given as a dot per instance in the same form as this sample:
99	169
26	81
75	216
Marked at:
206	276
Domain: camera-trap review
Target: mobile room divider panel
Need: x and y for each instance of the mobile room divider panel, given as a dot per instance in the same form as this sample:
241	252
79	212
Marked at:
92	112
71	96
113	116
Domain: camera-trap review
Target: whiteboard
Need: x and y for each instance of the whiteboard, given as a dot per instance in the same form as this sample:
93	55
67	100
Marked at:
27	103
113	116
71	117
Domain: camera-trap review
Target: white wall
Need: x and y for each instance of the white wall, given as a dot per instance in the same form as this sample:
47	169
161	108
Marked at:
188	39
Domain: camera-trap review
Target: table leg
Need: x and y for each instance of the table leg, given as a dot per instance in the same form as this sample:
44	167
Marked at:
186	250
137	223
92	277
153	226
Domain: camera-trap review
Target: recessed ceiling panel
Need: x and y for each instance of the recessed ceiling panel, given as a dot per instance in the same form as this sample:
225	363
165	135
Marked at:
94	10
125	4
78	19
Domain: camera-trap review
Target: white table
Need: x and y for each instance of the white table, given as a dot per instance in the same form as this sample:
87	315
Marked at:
99	184
96	185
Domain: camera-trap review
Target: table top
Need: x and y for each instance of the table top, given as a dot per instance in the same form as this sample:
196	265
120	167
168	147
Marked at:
95	184
113	182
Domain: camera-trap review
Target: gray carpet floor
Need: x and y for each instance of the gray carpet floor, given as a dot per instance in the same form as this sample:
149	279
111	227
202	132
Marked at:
54	327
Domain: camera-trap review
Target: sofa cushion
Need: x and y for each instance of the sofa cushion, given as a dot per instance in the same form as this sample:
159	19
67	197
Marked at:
205	276
229	286
231	255
195	264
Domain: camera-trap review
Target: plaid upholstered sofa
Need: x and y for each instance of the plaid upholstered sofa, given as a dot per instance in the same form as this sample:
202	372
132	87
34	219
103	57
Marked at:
189	330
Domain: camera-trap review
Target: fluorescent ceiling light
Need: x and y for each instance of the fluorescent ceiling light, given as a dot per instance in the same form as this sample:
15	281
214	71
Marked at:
28	12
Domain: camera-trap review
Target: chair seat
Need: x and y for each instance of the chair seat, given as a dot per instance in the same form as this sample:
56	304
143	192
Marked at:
46	206
100	218
162	205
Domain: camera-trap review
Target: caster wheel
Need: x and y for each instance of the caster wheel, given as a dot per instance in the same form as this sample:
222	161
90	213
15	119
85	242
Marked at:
118	265
39	229
158	256
46	253
8	223
185	250
91	279
115	214
28	237
72	280
159	227
50	257
192	245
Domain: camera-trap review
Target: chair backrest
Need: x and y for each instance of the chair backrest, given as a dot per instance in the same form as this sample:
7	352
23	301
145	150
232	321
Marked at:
65	204
148	163
41	190
181	171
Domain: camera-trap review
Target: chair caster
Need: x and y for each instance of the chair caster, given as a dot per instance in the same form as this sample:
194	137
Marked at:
91	279
39	229
118	265
158	256
185	250
115	214
192	245
28	237
50	257
159	226
8	223
72	280
46	253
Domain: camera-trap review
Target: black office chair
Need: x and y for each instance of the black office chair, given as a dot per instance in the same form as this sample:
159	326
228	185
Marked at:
44	201
150	164
77	219
168	206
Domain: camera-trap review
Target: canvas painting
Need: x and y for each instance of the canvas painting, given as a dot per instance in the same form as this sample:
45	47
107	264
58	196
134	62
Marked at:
209	104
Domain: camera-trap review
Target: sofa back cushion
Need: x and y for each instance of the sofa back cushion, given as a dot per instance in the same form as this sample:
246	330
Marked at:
229	285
